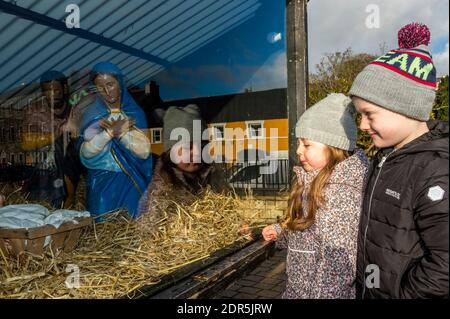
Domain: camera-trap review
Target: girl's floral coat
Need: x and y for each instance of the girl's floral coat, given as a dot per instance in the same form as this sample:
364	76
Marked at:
321	261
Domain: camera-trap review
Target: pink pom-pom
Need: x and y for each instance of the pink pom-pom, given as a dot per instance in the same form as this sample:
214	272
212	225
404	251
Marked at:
413	35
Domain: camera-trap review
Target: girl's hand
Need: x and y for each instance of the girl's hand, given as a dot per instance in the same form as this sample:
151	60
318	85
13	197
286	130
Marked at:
269	233
245	230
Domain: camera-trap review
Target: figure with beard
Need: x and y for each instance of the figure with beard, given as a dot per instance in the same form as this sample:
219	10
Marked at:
56	176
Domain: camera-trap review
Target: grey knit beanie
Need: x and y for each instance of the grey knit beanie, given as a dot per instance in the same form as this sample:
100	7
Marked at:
330	121
181	117
402	80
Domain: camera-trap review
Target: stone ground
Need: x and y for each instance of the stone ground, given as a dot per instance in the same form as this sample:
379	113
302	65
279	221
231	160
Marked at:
266	281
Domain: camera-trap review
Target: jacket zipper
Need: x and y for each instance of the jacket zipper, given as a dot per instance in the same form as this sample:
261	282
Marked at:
380	166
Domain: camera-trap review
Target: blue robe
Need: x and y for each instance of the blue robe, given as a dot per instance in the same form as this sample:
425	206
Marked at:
116	178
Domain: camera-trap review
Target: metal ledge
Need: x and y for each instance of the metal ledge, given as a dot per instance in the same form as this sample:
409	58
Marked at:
209	281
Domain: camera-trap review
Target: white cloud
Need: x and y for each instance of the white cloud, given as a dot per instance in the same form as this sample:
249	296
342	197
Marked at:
335	25
277	37
272	74
441	61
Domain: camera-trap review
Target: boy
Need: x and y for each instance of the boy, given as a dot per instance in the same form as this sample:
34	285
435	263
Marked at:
403	234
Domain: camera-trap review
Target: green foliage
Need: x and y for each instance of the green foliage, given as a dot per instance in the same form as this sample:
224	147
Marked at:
336	73
440	107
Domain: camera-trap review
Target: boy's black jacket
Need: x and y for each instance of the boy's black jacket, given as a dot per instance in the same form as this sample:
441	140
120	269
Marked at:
404	223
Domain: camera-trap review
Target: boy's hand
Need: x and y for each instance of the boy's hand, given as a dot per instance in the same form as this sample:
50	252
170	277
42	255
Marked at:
269	233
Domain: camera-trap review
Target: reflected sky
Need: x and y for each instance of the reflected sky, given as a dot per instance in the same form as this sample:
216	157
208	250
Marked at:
251	56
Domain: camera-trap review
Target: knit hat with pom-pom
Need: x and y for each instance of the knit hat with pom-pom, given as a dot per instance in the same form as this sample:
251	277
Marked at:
402	80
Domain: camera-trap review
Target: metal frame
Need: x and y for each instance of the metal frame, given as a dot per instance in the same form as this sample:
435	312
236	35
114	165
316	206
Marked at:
297	69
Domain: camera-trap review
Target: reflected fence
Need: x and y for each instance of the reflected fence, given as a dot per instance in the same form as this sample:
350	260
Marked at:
263	176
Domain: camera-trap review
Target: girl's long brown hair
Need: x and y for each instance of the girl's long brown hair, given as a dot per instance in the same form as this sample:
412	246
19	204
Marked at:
296	219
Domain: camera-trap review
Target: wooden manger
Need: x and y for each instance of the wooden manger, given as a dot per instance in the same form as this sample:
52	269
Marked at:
15	242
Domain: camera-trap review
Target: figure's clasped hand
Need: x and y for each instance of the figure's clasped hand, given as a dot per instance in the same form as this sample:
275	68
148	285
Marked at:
117	128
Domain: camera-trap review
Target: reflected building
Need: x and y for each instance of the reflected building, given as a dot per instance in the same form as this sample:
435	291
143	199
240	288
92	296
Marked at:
256	113
260	115
12	108
26	104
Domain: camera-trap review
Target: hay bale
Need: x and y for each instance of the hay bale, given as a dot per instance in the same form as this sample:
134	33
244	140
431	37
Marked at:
119	255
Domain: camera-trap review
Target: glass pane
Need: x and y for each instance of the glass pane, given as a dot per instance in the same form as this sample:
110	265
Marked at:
227	57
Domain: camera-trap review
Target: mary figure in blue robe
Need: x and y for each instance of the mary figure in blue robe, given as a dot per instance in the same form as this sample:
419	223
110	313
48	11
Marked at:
113	145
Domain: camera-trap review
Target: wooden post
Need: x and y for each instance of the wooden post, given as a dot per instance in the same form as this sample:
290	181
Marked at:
297	69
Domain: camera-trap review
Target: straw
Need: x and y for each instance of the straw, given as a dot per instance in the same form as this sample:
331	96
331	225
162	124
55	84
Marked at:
118	256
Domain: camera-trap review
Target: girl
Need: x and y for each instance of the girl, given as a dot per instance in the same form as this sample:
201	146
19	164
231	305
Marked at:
180	172
320	231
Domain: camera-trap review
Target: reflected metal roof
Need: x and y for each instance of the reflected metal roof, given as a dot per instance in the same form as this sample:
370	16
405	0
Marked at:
142	37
